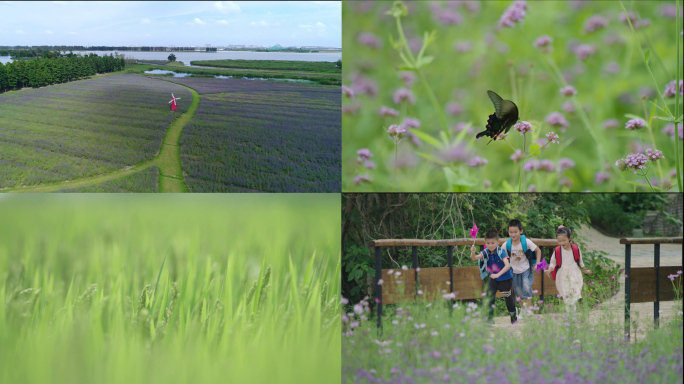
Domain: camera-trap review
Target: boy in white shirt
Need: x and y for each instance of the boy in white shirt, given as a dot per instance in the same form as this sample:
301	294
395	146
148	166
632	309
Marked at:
523	259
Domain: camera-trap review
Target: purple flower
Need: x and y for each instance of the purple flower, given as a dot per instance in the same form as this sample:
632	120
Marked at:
532	188
369	164
368	39
654	154
635	124
514	13
670	130
670	11
363	178
454	108
486	183
347	92
523	127
477	161
351	109
567	107
568	91
387	111
630	14
601	177
543	42
583	51
517	155
463	46
461	126
488	349
594	23
566	324
546	165
500	136
364	154
613	38
633	161
670	88
404	94
363	85
557	119
611	67
455	153
408	78
552	137
611	123
565	163
566	182
446	16
529	165
396	131
410	122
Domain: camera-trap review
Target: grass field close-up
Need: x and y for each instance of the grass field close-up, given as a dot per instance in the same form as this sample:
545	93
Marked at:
597	90
175	289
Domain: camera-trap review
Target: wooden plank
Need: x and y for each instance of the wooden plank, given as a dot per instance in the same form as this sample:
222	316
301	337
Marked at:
445	242
642	288
651	240
434	283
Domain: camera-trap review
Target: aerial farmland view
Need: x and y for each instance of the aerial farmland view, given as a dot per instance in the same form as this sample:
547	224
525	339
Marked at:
166	114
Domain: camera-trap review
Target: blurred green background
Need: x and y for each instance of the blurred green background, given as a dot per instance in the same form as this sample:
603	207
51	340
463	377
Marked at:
472	54
248	288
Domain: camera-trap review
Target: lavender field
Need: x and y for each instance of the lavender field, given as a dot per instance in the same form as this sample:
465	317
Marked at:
83	128
262	136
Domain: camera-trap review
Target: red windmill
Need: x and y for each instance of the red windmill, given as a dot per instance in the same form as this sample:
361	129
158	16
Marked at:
173	102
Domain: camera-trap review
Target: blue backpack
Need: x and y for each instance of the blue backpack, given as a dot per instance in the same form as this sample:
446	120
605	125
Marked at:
531	256
482	263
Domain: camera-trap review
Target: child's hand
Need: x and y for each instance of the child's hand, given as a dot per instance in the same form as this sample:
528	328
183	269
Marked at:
472	249
586	271
495	276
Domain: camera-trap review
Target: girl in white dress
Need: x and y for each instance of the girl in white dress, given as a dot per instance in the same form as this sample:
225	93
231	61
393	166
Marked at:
569	279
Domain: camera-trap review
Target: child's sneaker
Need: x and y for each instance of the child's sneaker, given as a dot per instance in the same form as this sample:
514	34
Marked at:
518	313
514	318
490	323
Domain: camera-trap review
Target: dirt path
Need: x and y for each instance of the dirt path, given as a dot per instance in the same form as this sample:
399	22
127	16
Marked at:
167	160
611	312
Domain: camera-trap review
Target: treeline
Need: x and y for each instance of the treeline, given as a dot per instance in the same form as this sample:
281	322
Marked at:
42	72
97	48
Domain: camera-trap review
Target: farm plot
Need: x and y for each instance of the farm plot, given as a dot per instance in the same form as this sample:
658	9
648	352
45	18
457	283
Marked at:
262	136
83	128
145	181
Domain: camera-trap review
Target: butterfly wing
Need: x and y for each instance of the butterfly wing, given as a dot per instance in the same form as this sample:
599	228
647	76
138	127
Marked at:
509	115
498	103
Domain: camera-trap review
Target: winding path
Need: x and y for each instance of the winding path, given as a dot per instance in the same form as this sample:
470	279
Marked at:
167	160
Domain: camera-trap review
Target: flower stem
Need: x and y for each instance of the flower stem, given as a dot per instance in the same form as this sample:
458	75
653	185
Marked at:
396	144
677	111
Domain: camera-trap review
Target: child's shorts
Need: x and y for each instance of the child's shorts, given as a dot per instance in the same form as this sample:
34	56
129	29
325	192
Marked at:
522	284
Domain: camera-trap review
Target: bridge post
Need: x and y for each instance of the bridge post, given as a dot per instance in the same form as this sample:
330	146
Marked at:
414	265
450	261
378	287
628	257
656	304
542	280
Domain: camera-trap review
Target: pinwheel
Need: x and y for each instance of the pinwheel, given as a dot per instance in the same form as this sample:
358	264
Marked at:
541	265
473	232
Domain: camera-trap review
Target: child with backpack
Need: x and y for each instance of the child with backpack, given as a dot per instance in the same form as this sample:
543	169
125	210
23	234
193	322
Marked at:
524	255
566	268
496	264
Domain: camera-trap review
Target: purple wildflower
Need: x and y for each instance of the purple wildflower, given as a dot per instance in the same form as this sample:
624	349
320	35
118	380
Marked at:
670	88
546	165
654	154
565	163
364	154
455	153
635	124
595	23
369	164
463	46
670	130
351	109
488	349
557	119
601	177
568	107
566	324
514	13
396	131
486	183
410	122
446	16
454	108
363	178
532	188
435	354
611	123
404	94
368	39
633	161
670	11
583	51
566	182
461	126
611	68
387	111
347	92
414	139
543	42
500	136
529	165
363	85
477	161
552	137
523	127
517	155
613	38
408	78
630	14
568	91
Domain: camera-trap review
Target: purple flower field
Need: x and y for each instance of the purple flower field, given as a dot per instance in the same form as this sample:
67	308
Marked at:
83	128
262	136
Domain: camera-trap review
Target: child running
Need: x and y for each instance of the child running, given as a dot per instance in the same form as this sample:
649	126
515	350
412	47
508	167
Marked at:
524	255
500	272
566	268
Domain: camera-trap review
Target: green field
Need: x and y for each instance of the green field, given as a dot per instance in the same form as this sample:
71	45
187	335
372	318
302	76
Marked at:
146	181
308	66
174	289
436	62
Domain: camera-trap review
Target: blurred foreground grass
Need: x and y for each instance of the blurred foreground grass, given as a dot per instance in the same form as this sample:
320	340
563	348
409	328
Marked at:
248	291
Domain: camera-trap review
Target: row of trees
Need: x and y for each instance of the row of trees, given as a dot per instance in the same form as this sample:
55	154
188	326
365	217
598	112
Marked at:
93	48
40	72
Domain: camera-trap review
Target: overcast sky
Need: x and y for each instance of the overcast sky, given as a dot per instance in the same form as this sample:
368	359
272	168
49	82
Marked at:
164	23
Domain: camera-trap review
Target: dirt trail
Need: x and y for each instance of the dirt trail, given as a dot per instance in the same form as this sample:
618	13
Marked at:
167	160
613	310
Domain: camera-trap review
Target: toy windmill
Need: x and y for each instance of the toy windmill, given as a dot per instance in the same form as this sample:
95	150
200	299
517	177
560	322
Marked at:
173	102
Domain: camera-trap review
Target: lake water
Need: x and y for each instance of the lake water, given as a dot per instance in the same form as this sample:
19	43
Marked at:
186	57
177	74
